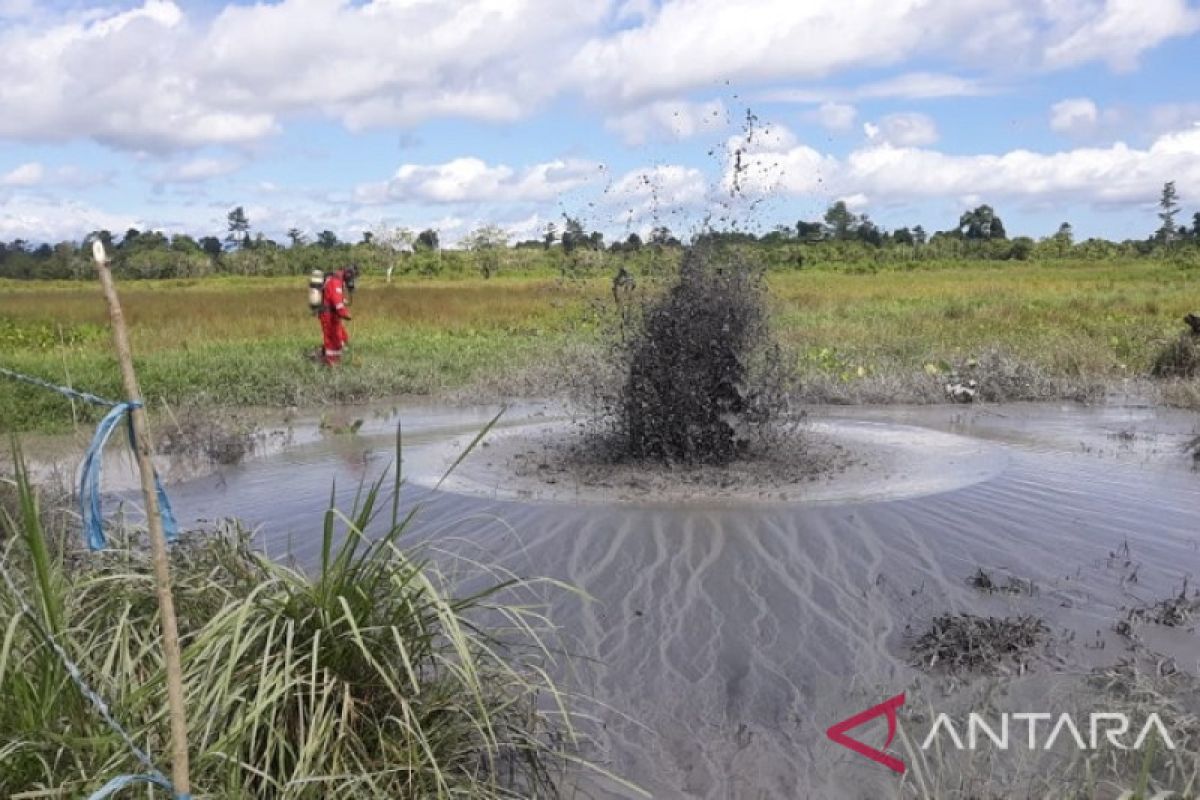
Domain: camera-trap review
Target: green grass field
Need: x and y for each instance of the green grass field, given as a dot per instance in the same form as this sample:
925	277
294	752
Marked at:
242	341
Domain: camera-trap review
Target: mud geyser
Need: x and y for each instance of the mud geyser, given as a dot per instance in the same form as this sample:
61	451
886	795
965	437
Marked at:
704	380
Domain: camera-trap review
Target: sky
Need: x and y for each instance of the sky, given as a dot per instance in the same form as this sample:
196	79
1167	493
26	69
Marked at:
385	114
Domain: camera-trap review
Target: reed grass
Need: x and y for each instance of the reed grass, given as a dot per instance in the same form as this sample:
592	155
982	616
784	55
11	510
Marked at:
369	678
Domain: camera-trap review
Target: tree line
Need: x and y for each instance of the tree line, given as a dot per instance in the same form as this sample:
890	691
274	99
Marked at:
840	236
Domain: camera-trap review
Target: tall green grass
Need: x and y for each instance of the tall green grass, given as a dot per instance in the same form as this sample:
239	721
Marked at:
369	678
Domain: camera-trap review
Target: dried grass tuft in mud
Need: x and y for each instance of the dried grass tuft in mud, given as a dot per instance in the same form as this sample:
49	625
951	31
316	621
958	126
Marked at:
970	643
984	582
1175	611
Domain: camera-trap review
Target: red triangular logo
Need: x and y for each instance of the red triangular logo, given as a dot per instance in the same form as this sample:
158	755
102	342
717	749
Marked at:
889	707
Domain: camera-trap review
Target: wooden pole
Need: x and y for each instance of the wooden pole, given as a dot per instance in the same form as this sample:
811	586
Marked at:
158	542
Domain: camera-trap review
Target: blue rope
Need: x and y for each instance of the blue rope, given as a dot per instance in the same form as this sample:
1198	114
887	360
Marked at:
65	391
89	476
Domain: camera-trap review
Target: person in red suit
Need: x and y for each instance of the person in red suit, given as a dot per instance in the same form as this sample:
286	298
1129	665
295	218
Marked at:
334	314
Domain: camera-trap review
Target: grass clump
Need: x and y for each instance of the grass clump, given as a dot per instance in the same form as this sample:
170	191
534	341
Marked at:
370	678
1179	359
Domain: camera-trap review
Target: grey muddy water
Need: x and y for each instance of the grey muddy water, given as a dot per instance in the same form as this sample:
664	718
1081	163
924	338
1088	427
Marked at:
724	634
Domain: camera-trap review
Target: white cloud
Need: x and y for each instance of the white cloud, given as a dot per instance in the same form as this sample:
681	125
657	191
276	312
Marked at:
1075	116
1119	31
472	180
668	120
906	86
924	86
838	117
656	189
159	78
883	172
50	219
696	43
165	76
197	170
29	174
1174	116
903	130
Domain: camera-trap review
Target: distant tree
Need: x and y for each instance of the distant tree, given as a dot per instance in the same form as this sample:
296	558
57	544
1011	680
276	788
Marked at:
919	235
809	231
428	239
105	237
596	240
1168	204
1021	248
1066	234
981	224
239	228
572	235
841	221
182	243
297	237
903	236
661	236
262	242
211	245
129	239
367	237
1196	226
633	243
867	231
327	239
486	243
550	236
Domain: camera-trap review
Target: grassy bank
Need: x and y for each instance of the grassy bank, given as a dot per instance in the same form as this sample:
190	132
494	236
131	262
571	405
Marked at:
368	678
242	340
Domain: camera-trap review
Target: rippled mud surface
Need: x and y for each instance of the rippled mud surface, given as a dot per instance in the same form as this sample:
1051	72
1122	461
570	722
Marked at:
729	635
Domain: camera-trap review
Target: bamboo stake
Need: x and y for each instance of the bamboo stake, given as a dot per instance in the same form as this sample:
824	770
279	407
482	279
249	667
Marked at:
158	542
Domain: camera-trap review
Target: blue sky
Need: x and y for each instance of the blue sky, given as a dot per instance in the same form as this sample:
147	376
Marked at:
390	114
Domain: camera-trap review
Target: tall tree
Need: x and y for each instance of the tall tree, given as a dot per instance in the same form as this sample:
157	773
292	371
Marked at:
239	228
428	239
550	236
297	236
327	239
808	231
1065	235
981	223
211	245
841	221
919	235
1168	204
573	235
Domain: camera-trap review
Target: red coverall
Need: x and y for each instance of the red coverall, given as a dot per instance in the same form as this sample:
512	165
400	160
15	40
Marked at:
333	312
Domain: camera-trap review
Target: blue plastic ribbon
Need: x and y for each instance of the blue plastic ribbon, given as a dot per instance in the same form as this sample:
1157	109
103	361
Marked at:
89	480
89	476
122	781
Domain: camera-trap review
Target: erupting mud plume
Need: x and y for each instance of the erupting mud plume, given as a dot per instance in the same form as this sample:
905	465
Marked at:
704	379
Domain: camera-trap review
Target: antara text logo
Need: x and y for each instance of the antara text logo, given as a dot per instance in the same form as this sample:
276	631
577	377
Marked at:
1031	730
